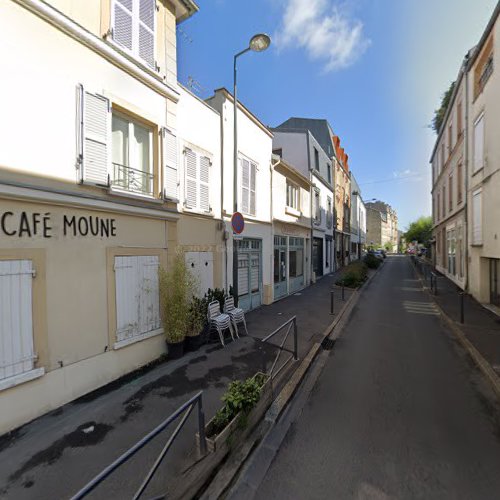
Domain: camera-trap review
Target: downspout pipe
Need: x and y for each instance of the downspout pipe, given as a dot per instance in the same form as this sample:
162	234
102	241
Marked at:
466	139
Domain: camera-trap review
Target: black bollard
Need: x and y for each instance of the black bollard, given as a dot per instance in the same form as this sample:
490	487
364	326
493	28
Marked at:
331	301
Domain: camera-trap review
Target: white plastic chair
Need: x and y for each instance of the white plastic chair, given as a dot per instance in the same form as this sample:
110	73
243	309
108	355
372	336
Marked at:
236	314
218	320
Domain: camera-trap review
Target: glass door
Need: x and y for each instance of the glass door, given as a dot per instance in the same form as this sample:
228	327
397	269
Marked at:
494	292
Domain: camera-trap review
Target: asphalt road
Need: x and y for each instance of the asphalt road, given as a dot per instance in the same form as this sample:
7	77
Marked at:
398	412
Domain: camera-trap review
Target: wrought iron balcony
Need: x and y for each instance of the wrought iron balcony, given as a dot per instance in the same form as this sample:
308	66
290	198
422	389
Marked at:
132	180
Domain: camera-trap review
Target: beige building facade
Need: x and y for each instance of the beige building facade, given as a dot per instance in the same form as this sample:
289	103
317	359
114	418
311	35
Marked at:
382	225
483	192
448	189
87	204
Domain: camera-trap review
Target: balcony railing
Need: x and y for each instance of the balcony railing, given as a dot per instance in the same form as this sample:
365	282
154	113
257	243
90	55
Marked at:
132	180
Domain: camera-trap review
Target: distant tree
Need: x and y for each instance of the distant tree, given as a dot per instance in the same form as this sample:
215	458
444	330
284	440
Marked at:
437	121
420	231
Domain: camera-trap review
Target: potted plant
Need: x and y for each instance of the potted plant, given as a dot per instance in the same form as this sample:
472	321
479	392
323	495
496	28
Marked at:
176	290
196	322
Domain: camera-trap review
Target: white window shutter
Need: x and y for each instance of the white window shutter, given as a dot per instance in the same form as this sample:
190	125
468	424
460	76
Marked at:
95	124
147	10
204	183
122	23
479	143
253	175
477	229
191	177
16	321
169	164
245	185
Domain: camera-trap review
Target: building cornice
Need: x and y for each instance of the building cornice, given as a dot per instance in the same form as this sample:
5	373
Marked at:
100	46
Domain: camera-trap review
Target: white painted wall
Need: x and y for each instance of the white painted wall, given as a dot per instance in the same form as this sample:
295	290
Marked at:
38	97
198	128
294	149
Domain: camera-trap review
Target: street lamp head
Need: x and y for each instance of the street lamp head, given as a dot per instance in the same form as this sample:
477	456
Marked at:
260	42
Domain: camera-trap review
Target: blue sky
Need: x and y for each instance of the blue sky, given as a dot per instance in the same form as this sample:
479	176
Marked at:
374	68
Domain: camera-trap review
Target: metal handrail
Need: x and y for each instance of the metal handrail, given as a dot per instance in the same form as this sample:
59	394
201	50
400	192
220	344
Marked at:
294	354
187	407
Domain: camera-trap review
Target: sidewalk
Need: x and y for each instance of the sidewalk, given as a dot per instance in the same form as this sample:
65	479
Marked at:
57	454
481	326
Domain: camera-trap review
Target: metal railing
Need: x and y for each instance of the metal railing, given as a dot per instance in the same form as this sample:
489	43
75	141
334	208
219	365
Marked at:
292	322
132	179
186	408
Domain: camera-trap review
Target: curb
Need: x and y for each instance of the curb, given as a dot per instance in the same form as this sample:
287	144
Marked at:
280	415
483	365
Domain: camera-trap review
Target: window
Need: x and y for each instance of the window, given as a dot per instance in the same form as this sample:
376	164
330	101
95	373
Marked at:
317	209
116	150
248	181
316	159
444	200
442	154
133	27
329	213
16	321
438	206
459	119
292	195
486	72
137	297
451	244
197	170
459	183
477	218
329	170
460	250
450	193
450	138
132	155
479	143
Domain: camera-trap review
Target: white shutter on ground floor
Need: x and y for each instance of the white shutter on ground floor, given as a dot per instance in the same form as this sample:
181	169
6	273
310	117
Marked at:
137	295
16	319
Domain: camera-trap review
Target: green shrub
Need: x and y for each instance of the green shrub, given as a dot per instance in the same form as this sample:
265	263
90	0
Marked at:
353	275
240	398
371	261
177	286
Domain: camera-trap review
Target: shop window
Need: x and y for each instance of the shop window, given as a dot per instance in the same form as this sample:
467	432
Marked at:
296	263
451	246
132	155
133	28
137	297
17	355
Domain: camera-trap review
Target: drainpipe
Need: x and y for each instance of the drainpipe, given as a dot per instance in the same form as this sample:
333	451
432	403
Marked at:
223	222
466	139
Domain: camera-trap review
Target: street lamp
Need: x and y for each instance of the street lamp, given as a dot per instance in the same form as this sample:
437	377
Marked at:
258	43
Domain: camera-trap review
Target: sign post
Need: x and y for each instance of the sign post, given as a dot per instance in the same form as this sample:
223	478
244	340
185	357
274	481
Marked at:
238	224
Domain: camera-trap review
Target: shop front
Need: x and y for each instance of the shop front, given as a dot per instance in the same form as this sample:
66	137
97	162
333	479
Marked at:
249	273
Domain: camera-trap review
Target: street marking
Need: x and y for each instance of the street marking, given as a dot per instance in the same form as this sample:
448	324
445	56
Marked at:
428	308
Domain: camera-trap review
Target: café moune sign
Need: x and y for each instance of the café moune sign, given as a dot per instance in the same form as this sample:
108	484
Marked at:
45	224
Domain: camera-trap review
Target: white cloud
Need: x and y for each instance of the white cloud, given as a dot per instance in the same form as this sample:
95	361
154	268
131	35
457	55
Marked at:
326	33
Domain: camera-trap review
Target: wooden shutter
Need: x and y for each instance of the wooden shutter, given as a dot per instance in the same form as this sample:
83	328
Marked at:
245	185
204	179
477	230
253	175
122	23
479	143
191	169
16	321
147	31
169	164
137	296
95	137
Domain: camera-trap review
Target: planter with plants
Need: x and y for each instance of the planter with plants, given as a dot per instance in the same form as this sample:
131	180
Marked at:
245	402
197	324
354	275
176	292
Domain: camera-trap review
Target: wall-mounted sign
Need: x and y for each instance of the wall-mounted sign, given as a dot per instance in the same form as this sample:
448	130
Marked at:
237	223
29	225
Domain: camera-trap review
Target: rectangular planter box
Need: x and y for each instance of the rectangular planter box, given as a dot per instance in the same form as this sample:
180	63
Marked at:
232	429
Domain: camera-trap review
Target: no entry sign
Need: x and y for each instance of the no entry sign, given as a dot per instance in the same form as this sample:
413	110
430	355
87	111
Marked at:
237	222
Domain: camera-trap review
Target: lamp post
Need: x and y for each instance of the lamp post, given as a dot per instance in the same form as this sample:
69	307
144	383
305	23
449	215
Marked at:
258	43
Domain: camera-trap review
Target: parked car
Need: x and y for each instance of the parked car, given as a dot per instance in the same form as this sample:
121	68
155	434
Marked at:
384	253
378	254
